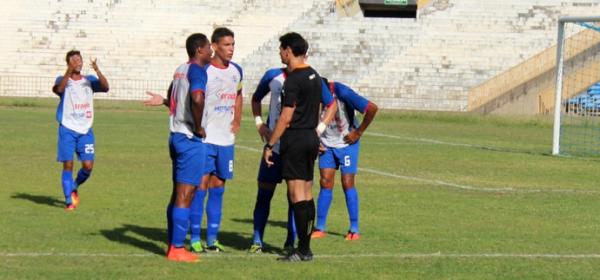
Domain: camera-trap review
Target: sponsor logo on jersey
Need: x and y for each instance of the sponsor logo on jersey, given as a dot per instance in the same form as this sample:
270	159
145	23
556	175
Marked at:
81	106
227	96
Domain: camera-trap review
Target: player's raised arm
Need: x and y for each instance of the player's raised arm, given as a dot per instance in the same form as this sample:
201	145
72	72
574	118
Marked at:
103	81
59	87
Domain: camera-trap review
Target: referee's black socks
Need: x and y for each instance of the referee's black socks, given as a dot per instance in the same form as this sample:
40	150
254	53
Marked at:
304	213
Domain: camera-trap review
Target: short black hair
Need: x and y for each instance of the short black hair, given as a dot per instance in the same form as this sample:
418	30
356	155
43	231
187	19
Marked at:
72	53
219	33
295	41
195	41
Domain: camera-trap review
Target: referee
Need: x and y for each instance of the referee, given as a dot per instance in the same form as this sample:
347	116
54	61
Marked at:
299	130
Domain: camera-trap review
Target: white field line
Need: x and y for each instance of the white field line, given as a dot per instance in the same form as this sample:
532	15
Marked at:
324	256
426	140
453	185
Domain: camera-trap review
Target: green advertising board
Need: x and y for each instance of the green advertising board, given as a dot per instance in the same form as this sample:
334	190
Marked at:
395	2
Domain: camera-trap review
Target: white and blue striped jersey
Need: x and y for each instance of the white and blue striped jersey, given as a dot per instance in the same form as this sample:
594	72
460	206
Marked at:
188	78
345	120
76	108
222	88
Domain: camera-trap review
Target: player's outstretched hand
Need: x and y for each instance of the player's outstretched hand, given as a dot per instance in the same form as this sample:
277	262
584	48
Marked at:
154	100
264	132
352	137
267	153
94	64
235	127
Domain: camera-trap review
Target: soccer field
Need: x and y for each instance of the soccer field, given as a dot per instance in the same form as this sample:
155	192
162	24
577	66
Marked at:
443	196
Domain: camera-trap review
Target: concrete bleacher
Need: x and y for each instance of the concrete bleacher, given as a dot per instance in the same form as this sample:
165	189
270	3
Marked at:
428	63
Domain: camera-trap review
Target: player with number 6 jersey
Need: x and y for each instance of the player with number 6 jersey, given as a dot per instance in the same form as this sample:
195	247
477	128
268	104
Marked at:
340	146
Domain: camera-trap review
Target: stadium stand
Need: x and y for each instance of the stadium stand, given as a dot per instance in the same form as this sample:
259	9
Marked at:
428	63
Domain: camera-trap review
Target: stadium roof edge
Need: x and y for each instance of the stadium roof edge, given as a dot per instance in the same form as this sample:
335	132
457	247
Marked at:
575	18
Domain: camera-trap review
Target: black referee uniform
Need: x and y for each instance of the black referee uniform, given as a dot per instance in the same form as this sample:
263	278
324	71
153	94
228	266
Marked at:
300	146
300	143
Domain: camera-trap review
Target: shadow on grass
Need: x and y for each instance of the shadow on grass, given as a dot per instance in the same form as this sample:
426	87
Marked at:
40	199
154	240
281	224
130	235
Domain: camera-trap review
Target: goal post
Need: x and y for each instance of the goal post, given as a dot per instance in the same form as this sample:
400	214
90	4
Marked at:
576	129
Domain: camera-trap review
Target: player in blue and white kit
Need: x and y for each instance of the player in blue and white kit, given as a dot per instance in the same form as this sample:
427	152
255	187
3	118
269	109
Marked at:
341	146
75	115
186	97
269	177
221	121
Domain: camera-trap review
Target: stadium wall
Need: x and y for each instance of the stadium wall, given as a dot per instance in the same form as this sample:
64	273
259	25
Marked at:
428	63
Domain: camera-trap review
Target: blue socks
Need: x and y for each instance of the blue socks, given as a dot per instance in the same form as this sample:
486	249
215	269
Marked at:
181	218
169	222
214	207
67	185
261	213
352	205
196	212
323	204
82	176
291	226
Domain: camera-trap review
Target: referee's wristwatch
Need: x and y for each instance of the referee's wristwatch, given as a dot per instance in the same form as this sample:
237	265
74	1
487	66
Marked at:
268	146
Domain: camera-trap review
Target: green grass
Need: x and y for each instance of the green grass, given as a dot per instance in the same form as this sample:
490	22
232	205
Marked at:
418	224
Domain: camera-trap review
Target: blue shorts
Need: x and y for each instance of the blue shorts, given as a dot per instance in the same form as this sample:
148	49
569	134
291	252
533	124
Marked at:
187	155
70	142
346	159
270	174
219	161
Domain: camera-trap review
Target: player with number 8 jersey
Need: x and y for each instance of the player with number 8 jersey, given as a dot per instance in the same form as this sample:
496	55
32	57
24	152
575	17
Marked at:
221	121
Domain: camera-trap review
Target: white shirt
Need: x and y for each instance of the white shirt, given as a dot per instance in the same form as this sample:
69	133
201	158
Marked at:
222	89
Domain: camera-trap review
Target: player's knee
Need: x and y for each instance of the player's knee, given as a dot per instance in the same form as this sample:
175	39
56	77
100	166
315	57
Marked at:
216	182
88	165
348	181
183	199
326	182
68	165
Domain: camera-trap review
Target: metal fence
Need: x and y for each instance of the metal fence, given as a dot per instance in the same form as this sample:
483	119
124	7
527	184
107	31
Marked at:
39	86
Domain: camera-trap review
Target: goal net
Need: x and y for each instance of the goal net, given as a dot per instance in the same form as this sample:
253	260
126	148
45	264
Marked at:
577	118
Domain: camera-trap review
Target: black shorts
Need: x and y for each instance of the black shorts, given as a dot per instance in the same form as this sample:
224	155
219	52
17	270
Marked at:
299	150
